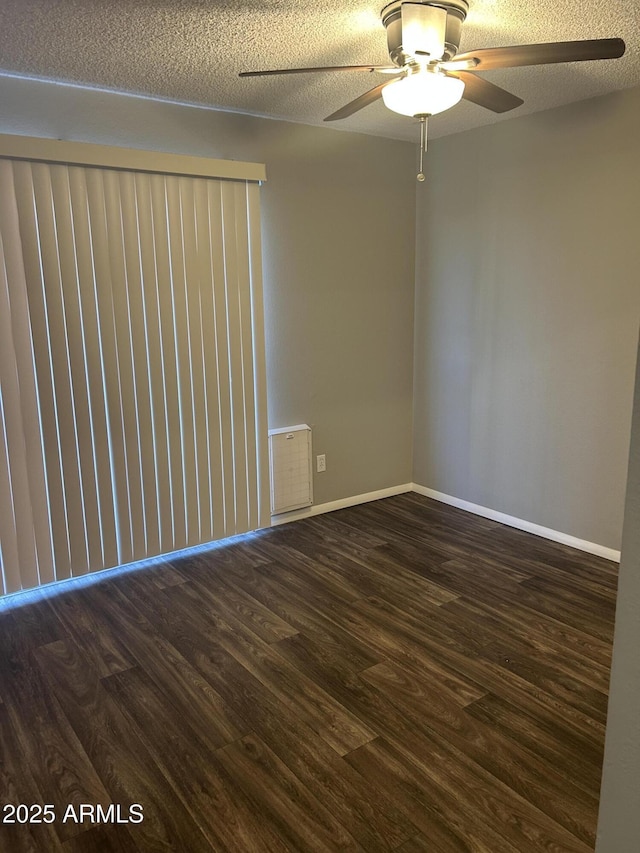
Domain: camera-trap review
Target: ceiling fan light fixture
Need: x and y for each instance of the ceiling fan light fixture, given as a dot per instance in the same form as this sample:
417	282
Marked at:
423	93
423	30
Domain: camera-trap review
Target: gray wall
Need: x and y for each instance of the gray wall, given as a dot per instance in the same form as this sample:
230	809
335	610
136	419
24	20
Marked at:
338	213
527	309
619	820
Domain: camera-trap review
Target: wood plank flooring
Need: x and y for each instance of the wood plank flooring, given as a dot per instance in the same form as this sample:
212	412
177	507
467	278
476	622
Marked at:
399	675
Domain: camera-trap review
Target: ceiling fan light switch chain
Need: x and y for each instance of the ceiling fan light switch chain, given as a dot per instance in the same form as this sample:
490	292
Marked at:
423	146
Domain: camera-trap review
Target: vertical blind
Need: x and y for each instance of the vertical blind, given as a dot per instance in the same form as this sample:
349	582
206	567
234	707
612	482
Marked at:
132	376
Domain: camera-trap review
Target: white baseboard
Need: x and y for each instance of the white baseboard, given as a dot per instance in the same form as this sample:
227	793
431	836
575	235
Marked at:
520	524
318	509
476	509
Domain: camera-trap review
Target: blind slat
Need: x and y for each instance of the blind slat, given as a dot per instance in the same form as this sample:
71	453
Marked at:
109	361
142	378
80	478
61	362
136	543
19	343
183	358
16	525
34	273
196	367
222	343
159	423
214	481
262	515
235	356
245	330
169	359
95	373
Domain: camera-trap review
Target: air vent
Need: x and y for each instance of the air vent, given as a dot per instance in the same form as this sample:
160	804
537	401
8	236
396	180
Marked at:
290	468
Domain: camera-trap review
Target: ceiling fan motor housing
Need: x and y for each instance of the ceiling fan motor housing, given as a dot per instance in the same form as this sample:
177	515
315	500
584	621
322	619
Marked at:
392	21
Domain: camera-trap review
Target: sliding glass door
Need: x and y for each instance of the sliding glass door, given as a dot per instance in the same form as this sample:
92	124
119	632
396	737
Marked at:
132	379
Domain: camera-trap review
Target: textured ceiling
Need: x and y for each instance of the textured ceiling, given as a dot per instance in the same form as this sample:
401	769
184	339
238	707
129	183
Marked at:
191	51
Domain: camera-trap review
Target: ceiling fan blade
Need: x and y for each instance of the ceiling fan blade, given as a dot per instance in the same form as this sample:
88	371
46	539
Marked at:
541	54
480	91
363	101
385	69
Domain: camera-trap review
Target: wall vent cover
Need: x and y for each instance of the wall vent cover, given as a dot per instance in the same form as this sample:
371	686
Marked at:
290	468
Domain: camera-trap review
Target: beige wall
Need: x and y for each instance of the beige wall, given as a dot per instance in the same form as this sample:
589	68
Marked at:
527	309
619	820
338	213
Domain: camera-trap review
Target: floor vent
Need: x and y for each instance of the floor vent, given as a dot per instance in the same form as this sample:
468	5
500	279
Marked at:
290	468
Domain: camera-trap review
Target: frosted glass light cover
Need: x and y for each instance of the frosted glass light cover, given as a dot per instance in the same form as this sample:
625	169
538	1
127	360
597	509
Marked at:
423	30
423	93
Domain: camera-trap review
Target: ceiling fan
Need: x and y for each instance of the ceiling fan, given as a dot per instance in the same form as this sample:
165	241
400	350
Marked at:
430	76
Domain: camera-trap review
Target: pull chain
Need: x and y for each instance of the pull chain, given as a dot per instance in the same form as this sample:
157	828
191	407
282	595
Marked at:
423	145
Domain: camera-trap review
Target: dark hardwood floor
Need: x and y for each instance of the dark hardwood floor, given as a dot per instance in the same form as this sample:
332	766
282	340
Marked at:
400	675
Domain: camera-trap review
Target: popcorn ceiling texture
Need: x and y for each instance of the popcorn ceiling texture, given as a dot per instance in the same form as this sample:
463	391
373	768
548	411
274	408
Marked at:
191	51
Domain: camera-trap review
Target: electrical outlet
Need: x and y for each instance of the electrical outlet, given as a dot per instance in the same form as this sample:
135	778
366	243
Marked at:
321	462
